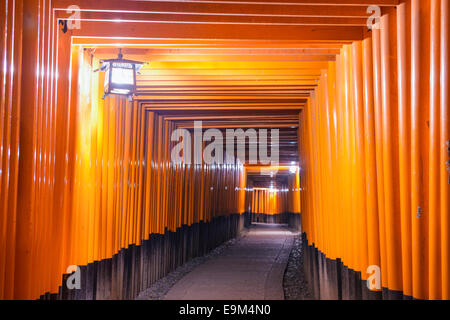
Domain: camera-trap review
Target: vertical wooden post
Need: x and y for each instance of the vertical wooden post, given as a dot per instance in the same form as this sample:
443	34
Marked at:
26	184
404	122
373	236
360	187
419	223
444	151
434	181
389	157
379	152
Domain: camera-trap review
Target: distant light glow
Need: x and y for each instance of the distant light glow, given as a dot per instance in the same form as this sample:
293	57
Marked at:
293	169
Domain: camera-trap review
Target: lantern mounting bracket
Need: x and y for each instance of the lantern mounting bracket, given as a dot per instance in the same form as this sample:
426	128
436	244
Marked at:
64	24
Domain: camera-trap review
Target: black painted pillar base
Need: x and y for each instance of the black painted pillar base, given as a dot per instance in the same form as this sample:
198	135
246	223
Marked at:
134	269
332	280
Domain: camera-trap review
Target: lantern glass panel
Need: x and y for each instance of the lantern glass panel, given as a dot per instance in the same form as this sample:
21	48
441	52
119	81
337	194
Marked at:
120	91
122	73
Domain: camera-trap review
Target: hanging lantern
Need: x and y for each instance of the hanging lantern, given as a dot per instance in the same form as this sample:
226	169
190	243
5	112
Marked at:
120	76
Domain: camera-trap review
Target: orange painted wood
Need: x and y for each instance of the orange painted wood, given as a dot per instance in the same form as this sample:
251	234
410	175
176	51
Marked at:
82	178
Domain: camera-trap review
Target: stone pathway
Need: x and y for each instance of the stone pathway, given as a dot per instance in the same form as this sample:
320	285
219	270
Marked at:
250	269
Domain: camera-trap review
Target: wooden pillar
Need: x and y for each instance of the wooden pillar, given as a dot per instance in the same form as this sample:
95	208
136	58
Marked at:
419	223
27	161
434	261
360	165
444	160
393	249
373	236
404	123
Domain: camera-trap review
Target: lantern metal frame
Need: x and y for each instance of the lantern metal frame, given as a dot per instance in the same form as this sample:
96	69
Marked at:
107	66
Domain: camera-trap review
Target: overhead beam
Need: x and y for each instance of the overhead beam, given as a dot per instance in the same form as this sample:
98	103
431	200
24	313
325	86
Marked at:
238	19
227	8
181	30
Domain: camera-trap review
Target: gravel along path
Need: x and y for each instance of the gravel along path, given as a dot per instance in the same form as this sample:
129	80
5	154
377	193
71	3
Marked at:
294	282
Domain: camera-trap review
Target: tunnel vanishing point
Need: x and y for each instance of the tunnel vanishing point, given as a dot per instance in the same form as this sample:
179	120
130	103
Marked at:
353	96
